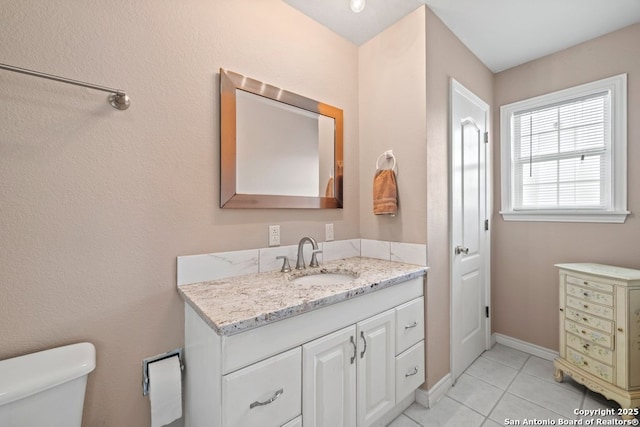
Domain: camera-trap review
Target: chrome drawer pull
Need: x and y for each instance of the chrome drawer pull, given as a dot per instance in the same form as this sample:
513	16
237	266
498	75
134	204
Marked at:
413	325
409	374
365	344
355	350
266	402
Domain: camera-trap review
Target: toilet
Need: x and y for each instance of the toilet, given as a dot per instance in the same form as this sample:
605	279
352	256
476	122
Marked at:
46	388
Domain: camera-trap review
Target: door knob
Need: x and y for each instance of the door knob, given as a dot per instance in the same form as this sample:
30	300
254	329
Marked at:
461	250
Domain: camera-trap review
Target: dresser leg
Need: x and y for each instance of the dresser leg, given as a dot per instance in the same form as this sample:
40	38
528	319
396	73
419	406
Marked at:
558	375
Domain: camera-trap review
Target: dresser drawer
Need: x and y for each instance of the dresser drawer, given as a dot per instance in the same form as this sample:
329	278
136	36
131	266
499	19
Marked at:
591	308
265	394
590	365
589	334
410	373
589	283
588	320
589	349
590	295
409	324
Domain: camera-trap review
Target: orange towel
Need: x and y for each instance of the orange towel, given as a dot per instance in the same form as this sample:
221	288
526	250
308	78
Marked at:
329	191
385	193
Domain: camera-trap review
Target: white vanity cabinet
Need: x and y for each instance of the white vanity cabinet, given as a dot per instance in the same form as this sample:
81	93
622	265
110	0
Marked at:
347	364
349	376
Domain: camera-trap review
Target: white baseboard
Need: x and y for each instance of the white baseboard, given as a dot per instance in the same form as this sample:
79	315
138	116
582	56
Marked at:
428	398
517	344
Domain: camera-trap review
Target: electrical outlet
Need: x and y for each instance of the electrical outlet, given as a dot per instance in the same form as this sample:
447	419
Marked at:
328	232
274	235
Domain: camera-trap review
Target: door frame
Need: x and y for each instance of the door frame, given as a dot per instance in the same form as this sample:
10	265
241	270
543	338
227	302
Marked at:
455	86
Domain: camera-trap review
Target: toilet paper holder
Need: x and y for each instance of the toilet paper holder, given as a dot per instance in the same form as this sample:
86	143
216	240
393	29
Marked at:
148	360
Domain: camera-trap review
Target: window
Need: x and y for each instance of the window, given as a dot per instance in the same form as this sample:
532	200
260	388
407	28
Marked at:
564	155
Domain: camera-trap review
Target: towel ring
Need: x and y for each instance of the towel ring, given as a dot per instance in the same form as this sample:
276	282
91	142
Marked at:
388	155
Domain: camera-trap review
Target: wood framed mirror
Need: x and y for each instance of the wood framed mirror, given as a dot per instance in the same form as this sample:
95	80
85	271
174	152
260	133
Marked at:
278	149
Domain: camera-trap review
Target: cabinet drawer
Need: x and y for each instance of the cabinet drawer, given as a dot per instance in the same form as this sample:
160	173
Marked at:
591	365
267	393
589	334
409	324
294	423
589	349
409	371
590	295
598	310
589	283
589	320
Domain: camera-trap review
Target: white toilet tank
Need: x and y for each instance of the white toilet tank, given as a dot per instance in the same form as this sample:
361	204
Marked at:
46	388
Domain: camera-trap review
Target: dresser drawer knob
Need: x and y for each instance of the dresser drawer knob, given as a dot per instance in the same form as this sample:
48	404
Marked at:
586	294
586	346
583	332
586	283
585	305
620	330
268	401
562	309
585	319
585	363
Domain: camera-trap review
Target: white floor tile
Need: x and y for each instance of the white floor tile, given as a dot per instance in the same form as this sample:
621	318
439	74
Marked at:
515	408
547	394
543	369
509	356
475	393
445	413
495	373
403	421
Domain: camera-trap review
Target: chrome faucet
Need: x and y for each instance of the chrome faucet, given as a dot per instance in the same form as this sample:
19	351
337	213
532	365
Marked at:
300	261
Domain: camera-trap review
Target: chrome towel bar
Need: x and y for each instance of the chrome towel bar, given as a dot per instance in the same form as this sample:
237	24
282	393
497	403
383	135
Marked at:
118	98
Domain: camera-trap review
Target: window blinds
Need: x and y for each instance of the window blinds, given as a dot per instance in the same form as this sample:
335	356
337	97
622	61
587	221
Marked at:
561	154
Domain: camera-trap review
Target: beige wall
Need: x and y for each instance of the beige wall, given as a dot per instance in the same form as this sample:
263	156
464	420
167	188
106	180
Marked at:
392	116
97	203
404	104
524	280
447	58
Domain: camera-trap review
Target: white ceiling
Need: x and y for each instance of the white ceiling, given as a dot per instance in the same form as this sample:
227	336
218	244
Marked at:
502	33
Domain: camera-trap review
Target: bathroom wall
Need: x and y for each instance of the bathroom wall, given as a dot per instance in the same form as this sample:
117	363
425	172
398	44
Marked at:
96	203
525	281
392	117
404	104
446	58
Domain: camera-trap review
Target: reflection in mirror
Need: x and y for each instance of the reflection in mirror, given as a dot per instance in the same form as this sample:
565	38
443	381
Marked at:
278	149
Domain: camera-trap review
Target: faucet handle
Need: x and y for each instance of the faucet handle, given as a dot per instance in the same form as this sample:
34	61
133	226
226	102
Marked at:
314	260
285	265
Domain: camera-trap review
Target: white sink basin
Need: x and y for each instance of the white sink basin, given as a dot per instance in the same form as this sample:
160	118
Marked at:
325	278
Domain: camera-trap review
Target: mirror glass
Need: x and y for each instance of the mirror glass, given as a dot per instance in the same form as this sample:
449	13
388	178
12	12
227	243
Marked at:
278	149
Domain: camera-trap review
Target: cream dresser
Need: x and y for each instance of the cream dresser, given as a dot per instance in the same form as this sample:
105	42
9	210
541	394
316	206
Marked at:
600	331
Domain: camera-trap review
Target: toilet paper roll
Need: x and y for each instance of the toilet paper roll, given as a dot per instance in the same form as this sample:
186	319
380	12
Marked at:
165	391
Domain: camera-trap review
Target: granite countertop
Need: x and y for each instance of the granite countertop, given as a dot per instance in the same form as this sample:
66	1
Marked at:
237	304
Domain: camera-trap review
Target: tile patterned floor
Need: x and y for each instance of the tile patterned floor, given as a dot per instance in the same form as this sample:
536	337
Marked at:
505	384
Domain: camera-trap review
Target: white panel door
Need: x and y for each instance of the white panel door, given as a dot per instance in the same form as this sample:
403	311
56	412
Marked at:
329	380
469	232
376	367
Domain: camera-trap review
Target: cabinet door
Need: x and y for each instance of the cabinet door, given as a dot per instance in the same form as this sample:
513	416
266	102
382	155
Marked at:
329	380
376	367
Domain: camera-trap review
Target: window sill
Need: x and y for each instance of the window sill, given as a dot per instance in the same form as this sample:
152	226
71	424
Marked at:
613	217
